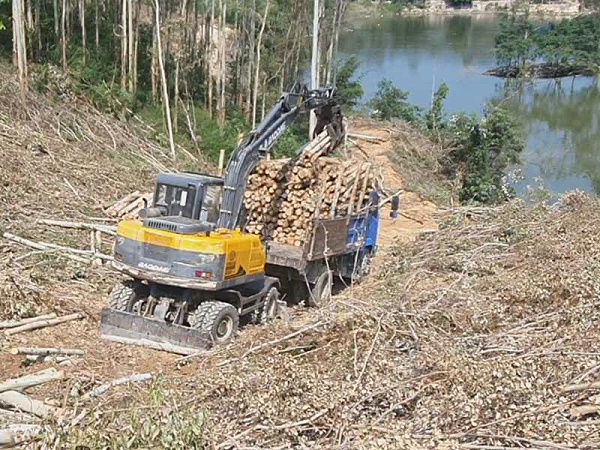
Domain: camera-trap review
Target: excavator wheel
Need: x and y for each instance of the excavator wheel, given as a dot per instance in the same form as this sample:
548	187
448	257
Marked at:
125	293
219	319
269	309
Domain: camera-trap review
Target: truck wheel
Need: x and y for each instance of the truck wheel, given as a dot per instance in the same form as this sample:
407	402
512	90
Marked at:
270	307
220	321
320	292
362	269
126	293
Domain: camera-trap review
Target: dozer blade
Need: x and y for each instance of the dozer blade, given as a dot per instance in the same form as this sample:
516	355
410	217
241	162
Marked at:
128	328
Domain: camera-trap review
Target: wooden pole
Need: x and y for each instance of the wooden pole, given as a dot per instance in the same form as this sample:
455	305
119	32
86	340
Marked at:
43	376
43	324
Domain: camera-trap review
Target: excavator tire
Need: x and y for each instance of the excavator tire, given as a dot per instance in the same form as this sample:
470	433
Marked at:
269	309
220	321
125	293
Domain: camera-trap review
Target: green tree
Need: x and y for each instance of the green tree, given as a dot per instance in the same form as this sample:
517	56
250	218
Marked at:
482	152
348	86
434	118
515	43
390	102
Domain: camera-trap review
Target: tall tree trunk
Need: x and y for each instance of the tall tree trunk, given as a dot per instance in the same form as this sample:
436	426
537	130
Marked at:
38	29
336	35
154	66
257	68
236	52
314	66
252	45
20	44
210	57
329	67
130	45
163	77
264	99
218	68
176	95
222	106
82	19
134	60
124	44
63	35
97	24
56	20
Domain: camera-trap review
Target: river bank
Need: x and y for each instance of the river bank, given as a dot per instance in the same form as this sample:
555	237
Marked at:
369	9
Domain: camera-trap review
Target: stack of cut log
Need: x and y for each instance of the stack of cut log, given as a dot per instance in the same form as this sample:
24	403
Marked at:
284	196
129	206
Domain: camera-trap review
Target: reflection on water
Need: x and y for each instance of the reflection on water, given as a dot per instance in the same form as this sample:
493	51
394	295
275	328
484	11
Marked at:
419	53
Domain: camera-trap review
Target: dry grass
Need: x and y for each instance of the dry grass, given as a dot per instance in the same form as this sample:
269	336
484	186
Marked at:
417	160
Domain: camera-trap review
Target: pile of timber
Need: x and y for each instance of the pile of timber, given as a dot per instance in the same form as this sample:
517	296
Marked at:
129	206
284	196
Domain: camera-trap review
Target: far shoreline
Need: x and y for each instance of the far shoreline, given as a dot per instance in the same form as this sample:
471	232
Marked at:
361	12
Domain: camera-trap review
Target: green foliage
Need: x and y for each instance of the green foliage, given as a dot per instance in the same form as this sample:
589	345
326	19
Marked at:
390	102
482	151
515	43
570	43
292	140
434	117
155	422
348	86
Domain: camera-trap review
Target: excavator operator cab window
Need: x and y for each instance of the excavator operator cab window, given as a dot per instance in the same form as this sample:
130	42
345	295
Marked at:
175	200
209	210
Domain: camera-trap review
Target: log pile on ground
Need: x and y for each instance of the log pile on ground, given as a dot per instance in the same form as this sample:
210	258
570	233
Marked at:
129	206
284	196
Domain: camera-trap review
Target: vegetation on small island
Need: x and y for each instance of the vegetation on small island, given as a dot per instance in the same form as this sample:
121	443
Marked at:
528	48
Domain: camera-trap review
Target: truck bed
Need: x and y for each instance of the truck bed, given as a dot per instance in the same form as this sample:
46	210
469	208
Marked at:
286	256
327	238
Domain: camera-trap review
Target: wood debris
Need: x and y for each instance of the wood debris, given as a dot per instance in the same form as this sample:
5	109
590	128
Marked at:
129	206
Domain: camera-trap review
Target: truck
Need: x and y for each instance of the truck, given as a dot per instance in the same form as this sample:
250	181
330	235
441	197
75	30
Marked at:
192	271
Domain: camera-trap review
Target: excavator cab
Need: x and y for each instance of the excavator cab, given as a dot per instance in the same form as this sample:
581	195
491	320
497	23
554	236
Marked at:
191	195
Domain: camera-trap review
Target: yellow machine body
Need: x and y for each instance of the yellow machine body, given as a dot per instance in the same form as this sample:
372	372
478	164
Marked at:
215	260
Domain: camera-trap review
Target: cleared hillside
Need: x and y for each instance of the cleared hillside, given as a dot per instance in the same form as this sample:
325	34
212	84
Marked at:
480	335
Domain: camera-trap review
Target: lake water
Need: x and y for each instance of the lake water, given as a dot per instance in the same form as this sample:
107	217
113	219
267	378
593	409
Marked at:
420	53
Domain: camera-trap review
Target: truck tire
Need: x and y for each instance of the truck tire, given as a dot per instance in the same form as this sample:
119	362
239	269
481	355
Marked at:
320	292
125	293
269	309
220	321
363	268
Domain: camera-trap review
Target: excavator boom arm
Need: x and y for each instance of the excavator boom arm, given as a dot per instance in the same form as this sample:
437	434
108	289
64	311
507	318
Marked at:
259	142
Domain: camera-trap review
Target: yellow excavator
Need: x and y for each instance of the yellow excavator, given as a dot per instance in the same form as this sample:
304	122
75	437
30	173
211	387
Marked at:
192	272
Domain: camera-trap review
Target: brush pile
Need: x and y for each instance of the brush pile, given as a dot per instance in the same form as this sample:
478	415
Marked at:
284	196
